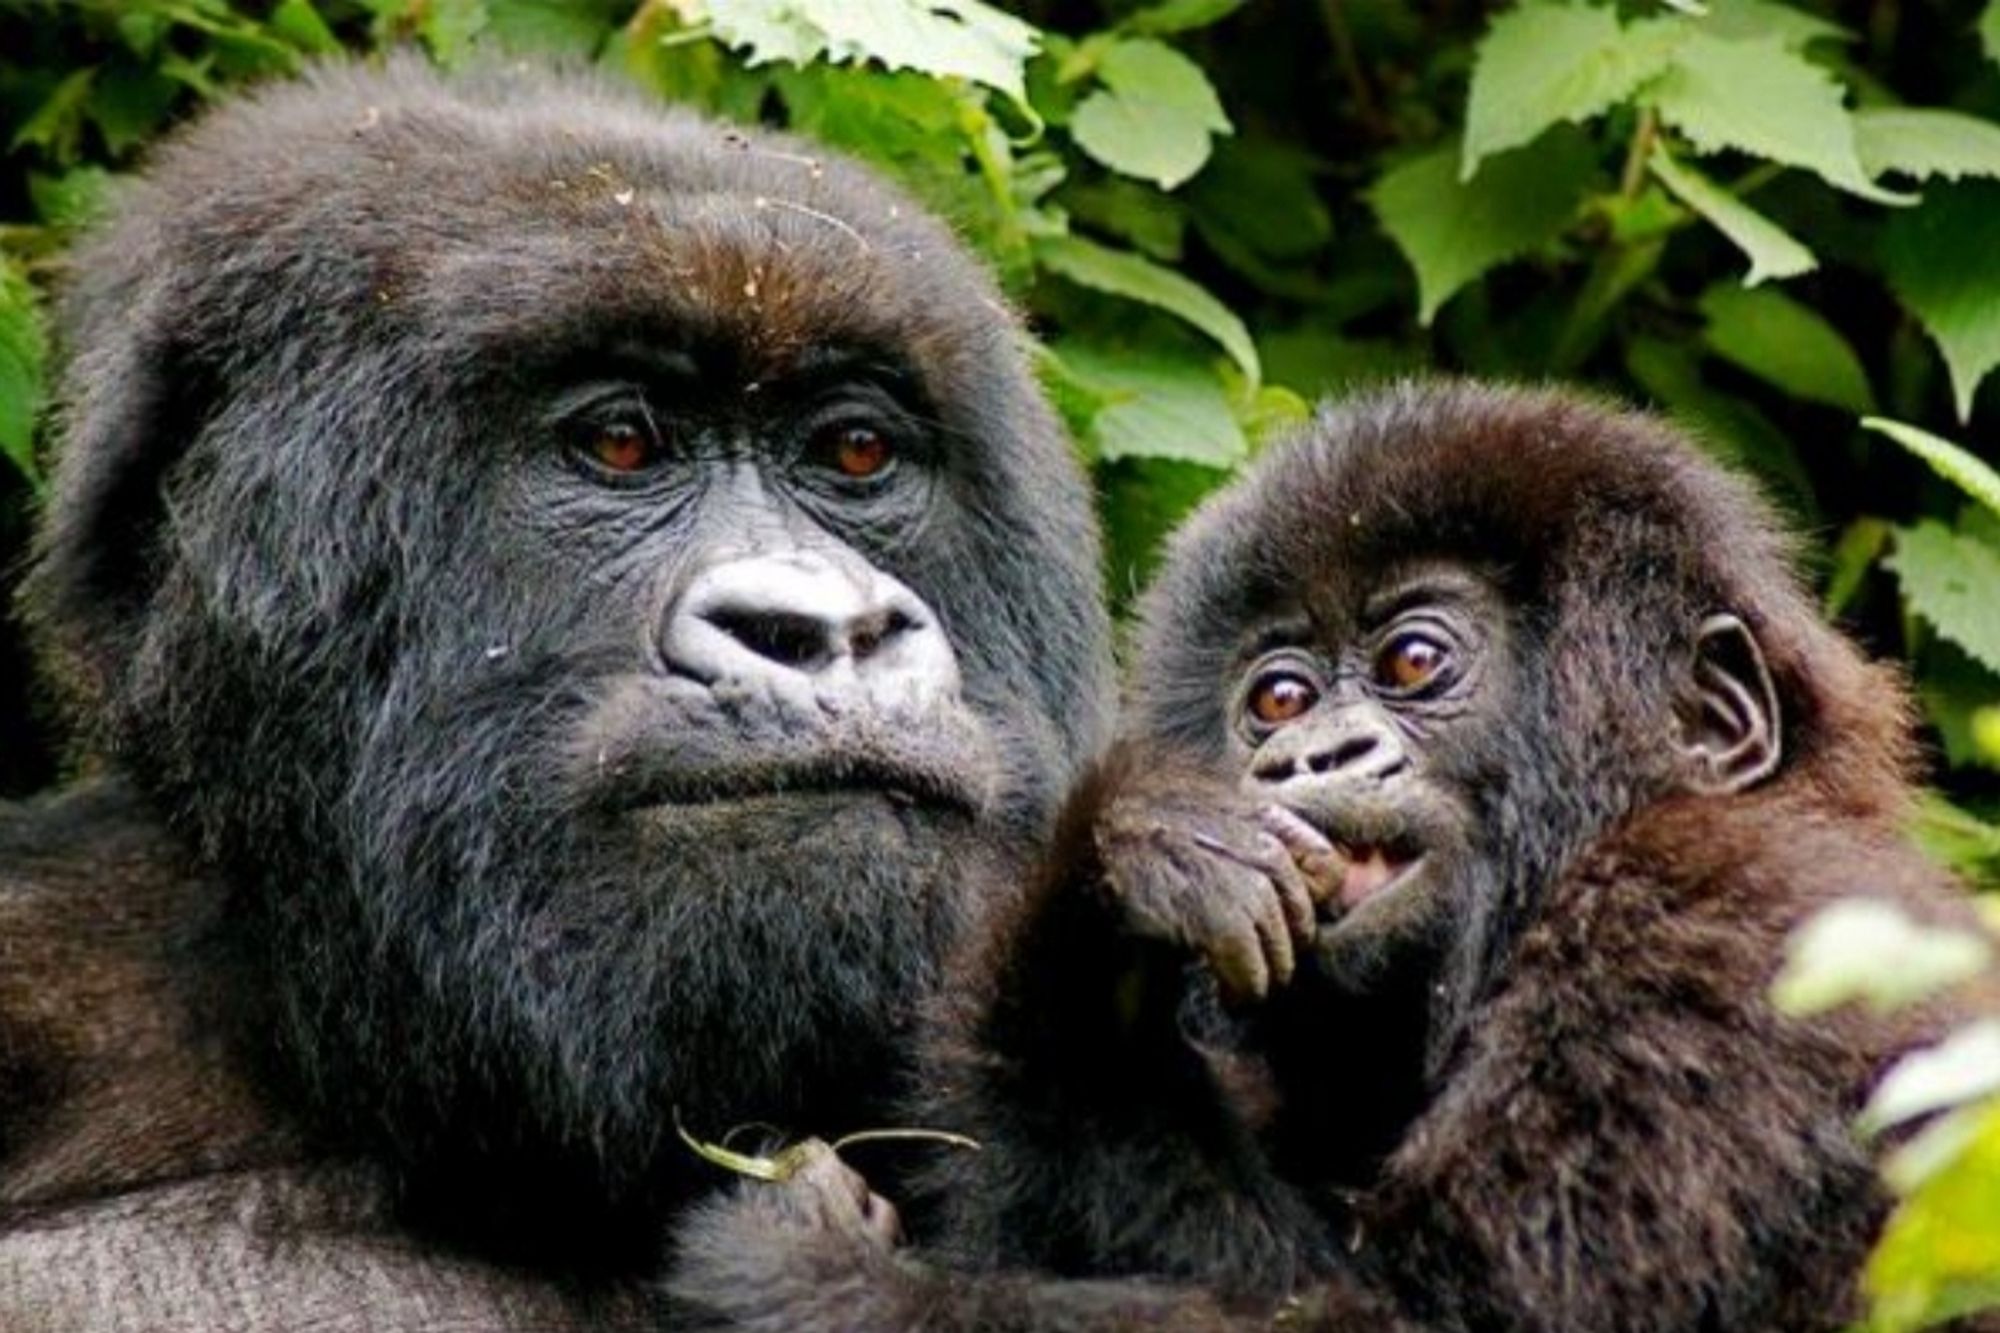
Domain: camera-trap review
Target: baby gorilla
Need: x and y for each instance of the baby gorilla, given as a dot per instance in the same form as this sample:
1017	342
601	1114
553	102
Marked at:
1407	967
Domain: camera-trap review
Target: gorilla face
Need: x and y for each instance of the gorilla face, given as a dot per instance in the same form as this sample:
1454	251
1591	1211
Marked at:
602	589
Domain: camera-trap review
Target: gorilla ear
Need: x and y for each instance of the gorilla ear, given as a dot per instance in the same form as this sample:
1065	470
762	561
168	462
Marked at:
1730	725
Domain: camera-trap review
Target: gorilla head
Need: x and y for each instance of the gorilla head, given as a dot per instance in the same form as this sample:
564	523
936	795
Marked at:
599	588
1468	630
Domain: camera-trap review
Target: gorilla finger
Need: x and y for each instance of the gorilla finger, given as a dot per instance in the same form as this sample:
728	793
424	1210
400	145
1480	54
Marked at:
1318	860
1274	936
1237	958
1295	893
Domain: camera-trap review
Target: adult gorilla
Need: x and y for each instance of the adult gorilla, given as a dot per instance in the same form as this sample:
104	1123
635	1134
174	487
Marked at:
581	606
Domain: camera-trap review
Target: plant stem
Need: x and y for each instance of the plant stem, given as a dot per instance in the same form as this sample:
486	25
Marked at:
1333	15
1639	153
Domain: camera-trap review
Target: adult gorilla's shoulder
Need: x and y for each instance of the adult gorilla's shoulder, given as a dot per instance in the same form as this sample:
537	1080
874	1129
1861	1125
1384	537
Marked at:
578	605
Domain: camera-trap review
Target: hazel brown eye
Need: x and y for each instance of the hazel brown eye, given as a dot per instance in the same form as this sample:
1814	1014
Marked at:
860	453
1281	696
1410	662
623	447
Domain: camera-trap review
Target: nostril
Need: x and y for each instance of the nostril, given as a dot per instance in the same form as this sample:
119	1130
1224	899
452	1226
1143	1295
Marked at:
1349	752
790	639
869	634
1271	770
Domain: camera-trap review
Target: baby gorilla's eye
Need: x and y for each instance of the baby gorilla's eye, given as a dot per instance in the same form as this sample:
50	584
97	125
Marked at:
1278	697
622	447
1410	661
859	453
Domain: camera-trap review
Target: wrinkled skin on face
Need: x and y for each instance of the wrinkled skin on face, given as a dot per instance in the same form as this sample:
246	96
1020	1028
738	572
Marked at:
602	593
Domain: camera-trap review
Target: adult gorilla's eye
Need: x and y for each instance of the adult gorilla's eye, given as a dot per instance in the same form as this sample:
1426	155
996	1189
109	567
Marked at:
622	447
1410	661
857	452
1277	697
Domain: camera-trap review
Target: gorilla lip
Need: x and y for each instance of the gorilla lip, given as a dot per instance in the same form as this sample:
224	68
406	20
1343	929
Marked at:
1372	868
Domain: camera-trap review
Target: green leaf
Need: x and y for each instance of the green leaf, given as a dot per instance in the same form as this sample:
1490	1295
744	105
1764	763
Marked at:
449	27
1785	343
1158	404
1174	16
1939	1255
949	38
1725	424
300	24
1763	98
1452	231
1773	254
1154	115
1954	837
1962	1068
1130	211
72	199
129	104
1741	19
23	356
1261	192
1955	464
1922	142
1989	30
1956	691
1942	260
1543	63
56	126
568	27
1121	273
1949	578
1869	950
1143	500
1860	545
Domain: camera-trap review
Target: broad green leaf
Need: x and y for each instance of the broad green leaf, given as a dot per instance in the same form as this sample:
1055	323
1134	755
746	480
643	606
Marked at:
1973	475
1786	343
1939	1255
1322	362
23	358
1942	260
1130	211
1955	690
1763	98
1136	278
1159	404
570	27
1962	1068
1741	19
300	24
1773	254
1725	424
1163	20
1949	579
72	199
1869	950
1922	142
1546	62
1452	231
1143	500
1154	116
129	104
1989	30
950	38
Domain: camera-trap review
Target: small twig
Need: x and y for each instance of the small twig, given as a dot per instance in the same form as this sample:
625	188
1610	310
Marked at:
1333	16
1644	134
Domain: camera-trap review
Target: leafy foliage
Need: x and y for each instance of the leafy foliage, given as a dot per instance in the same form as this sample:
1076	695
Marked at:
1212	211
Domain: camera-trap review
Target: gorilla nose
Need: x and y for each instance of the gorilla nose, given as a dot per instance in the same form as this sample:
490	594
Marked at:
1362	752
800	619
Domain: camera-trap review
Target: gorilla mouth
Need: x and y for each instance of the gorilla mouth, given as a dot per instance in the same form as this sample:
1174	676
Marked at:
899	780
1373	869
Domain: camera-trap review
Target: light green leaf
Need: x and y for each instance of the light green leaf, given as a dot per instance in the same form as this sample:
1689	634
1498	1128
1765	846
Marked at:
949	38
1989	30
449	27
1136	278
1761	97
1870	950
1949	579
1922	142
1939	1255
1942	259
1174	16
1786	343
1158	404
300	24
1773	254
1964	1067
1544	62
572	27
57	124
23	356
1452	231
1154	115
1741	19
1955	464
1954	837
1861	544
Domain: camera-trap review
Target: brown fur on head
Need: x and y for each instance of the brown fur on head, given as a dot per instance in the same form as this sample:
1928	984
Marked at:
1612	531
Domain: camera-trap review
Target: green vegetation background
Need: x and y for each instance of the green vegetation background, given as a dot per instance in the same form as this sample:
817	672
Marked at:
1777	222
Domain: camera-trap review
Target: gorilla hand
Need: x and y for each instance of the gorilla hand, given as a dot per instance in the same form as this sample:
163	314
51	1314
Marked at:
1192	864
